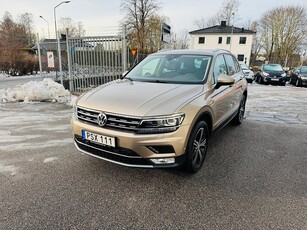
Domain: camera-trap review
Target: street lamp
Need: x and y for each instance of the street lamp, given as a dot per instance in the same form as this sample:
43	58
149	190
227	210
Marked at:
58	39
47	25
233	20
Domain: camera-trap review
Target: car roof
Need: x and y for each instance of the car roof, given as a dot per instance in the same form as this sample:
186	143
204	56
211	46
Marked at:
211	52
271	64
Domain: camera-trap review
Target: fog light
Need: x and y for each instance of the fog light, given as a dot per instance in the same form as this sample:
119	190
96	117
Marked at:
162	161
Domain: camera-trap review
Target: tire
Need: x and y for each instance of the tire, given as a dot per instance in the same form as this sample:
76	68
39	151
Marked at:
197	147
259	80
238	119
297	83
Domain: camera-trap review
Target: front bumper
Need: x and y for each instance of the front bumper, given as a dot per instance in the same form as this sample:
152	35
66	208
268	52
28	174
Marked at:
303	81
134	150
275	80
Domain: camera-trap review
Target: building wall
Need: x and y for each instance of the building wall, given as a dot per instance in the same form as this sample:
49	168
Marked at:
211	42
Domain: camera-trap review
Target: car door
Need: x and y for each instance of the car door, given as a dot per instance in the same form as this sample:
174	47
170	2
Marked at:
222	99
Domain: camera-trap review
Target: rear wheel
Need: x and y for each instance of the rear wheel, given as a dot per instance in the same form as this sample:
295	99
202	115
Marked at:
197	147
238	119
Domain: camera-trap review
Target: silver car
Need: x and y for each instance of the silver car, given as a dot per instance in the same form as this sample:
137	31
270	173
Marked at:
249	74
163	112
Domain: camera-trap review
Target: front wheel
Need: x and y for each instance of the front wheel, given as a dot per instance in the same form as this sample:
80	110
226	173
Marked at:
298	83
197	147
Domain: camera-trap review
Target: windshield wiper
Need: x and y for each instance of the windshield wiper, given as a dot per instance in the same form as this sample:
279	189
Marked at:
128	78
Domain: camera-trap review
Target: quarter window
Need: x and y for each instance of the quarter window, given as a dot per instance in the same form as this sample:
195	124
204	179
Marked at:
219	68
231	67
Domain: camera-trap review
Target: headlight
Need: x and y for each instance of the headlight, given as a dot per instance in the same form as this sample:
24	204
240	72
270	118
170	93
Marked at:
265	74
161	124
284	74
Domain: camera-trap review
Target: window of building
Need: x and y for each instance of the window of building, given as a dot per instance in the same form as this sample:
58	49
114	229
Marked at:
228	40
242	40
201	40
220	40
240	57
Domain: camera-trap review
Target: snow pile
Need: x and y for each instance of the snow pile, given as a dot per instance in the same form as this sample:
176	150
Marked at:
45	90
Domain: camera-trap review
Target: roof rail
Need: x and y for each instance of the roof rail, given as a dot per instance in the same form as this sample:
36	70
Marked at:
217	49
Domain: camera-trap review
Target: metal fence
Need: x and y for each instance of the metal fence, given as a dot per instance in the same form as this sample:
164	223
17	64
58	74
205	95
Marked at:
93	61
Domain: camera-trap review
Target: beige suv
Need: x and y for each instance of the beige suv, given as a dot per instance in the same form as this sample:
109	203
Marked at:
163	112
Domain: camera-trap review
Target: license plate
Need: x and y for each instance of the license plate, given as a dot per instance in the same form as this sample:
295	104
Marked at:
98	138
274	79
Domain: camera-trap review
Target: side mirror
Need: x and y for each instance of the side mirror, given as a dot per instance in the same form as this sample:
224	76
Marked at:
224	80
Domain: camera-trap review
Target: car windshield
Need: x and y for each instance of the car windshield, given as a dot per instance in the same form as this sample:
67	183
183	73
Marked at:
304	70
272	68
244	66
172	68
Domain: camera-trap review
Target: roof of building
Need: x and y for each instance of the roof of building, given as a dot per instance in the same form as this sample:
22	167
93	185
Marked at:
222	29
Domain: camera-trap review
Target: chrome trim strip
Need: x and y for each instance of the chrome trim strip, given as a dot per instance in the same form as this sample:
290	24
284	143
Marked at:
111	114
87	114
115	162
121	127
88	120
131	157
123	121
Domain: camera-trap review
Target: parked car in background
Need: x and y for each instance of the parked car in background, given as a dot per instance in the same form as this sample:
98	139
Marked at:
298	76
249	74
164	110
271	74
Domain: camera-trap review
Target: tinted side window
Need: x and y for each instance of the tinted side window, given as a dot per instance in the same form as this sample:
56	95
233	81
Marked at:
219	68
231	67
238	68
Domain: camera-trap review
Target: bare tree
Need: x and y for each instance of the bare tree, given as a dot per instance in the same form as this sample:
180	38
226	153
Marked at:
75	29
283	30
15	57
227	12
181	40
26	21
257	43
137	18
200	23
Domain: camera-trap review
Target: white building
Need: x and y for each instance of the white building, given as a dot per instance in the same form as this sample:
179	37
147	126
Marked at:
237	40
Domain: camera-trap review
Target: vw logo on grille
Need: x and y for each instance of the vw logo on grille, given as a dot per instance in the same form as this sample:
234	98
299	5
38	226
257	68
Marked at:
101	119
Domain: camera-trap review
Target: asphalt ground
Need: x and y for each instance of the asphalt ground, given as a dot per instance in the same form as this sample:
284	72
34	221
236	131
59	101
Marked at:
254	177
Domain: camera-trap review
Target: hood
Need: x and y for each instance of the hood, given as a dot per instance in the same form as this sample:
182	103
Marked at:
275	73
139	98
246	71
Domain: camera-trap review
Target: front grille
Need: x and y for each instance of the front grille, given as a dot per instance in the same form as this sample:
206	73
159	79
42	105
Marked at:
114	121
121	155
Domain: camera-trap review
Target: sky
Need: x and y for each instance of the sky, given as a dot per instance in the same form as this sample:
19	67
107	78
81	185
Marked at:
104	16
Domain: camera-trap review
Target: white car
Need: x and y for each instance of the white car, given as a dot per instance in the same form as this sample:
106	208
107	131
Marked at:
249	74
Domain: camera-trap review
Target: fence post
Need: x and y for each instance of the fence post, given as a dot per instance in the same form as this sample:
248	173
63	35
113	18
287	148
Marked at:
39	58
124	50
69	62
